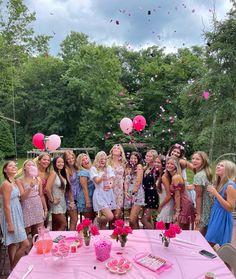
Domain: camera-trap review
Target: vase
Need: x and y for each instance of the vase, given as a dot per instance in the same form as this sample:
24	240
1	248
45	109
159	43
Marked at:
87	240
166	243
123	241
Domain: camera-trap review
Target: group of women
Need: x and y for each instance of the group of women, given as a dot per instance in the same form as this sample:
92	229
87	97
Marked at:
155	188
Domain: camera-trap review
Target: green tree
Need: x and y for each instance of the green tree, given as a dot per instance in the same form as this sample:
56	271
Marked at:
7	147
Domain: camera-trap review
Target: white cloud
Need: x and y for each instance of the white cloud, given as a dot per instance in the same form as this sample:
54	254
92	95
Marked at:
170	23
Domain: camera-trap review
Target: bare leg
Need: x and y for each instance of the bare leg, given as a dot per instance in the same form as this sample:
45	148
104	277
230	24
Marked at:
59	222
20	251
118	214
11	252
73	219
133	218
147	219
106	217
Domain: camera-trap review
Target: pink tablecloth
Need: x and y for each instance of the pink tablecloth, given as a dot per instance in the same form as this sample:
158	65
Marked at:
187	262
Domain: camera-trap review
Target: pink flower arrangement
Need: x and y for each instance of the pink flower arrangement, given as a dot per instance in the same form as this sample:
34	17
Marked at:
121	232
87	228
166	234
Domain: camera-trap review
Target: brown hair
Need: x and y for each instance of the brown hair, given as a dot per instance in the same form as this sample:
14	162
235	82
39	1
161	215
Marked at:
3	170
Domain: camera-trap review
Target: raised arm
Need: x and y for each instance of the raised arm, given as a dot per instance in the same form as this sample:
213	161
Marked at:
228	203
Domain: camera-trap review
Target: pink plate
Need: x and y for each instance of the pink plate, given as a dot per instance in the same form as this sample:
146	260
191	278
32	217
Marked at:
73	240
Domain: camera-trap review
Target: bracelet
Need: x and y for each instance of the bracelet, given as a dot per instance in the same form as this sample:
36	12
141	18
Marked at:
178	210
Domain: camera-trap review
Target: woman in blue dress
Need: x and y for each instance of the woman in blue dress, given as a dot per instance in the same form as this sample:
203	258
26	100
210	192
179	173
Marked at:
220	227
86	187
12	222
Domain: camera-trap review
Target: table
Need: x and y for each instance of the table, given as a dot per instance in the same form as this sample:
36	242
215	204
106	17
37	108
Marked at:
187	262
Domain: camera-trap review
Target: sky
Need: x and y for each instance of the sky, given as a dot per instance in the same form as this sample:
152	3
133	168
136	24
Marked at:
134	23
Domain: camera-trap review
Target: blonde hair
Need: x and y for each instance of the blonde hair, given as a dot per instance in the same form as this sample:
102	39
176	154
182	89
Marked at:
79	161
66	154
122	159
205	164
40	158
229	174
154	155
177	165
97	159
26	162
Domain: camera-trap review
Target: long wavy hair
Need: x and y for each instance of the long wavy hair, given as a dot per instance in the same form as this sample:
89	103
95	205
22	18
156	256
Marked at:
66	154
40	158
122	156
177	167
154	155
229	174
62	173
4	172
160	172
205	164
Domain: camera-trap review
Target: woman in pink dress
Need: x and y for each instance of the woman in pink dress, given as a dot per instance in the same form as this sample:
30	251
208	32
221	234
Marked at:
118	163
32	199
184	211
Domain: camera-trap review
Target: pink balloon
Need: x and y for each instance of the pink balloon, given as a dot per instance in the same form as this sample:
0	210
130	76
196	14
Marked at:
33	171
126	125
38	142
53	142
139	123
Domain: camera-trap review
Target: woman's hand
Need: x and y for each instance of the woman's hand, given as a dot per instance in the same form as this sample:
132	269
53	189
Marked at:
88	205
176	217
211	189
127	195
56	201
45	215
72	205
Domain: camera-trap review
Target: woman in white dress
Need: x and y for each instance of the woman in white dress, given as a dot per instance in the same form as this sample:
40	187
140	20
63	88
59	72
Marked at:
166	207
57	186
103	196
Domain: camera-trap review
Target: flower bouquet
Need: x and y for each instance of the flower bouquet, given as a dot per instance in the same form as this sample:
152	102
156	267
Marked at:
86	228
121	232
167	234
